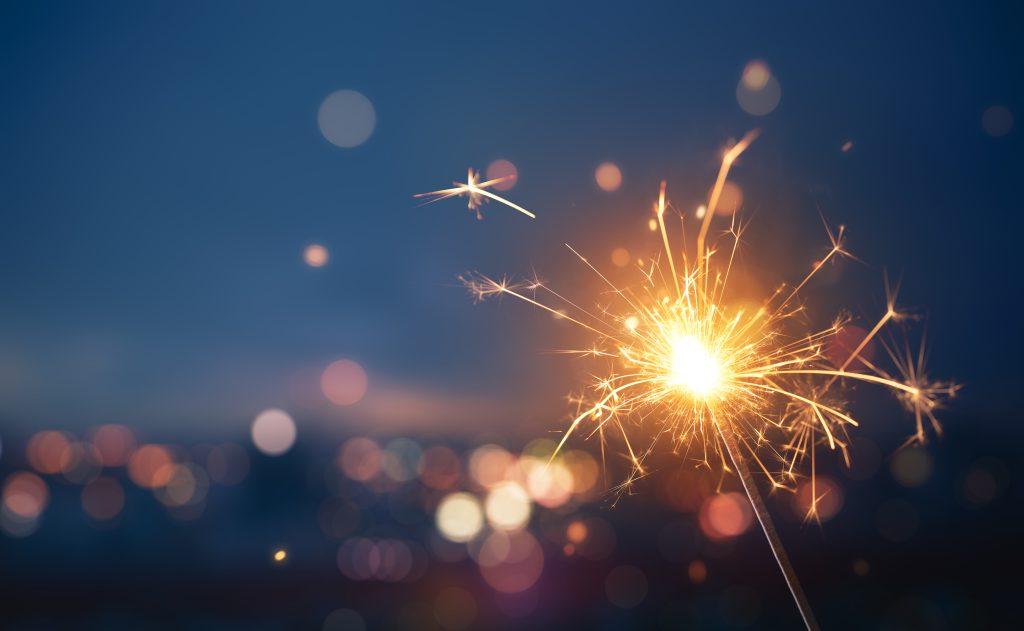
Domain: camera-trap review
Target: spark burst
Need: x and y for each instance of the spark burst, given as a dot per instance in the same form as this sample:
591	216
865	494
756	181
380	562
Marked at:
476	194
727	386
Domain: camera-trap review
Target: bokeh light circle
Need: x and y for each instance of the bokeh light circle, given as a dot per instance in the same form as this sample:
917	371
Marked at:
315	255
983	483
697	571
401	459
227	464
115	444
521	567
503	169
911	467
758	92
25	495
49	451
840	345
346	118
103	498
725	515
625	586
490	464
84	464
549	484
344	382
273	432
439	467
756	75
730	200
508	506
360	458
608	176
459	517
997	121
150	466
824	496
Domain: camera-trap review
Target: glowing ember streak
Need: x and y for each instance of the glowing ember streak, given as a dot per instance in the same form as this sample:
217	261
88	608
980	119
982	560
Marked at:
725	386
476	193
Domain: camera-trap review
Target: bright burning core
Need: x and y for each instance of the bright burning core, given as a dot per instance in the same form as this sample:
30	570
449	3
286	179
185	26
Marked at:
694	368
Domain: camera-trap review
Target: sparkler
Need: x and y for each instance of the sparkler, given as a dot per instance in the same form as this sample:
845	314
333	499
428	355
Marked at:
737	389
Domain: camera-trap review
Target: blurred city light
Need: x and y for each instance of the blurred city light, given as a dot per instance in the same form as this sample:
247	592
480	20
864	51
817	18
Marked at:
507	506
520	566
490	464
439	467
459	517
360	458
103	498
344	382
151	466
273	432
25	495
115	444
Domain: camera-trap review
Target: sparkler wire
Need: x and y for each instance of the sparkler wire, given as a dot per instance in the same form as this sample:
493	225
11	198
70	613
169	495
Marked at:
768	526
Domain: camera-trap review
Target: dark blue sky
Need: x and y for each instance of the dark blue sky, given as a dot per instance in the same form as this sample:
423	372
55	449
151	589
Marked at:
163	170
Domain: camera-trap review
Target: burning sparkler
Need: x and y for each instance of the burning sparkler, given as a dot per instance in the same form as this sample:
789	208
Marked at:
737	389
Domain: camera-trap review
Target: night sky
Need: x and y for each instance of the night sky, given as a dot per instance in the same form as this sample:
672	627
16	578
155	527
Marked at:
164	170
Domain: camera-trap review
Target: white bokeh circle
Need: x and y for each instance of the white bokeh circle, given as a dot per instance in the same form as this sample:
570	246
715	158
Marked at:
273	432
